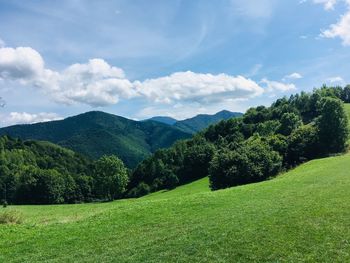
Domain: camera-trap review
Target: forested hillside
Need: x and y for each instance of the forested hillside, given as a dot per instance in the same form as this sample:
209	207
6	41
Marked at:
33	172
203	121
97	133
264	142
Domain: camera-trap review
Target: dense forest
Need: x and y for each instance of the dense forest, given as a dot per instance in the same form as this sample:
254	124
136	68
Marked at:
34	172
252	148
264	142
95	134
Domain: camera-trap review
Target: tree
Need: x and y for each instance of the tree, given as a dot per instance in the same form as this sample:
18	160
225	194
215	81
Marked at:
332	125
141	190
254	161
289	122
346	94
302	145
170	180
110	177
196	160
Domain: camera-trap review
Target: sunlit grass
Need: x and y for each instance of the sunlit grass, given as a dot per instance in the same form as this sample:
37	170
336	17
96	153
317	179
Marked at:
301	216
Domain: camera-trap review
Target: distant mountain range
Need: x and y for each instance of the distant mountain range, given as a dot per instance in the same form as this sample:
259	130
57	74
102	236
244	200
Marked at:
97	133
199	122
163	119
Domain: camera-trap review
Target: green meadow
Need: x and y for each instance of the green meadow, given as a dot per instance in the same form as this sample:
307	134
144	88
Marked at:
300	216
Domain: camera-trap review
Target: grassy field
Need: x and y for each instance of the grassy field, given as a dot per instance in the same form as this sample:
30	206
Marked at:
301	216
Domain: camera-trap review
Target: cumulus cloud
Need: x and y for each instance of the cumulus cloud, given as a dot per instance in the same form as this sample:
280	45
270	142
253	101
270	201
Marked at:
95	83
27	118
272	86
203	88
328	4
335	80
341	29
294	75
23	63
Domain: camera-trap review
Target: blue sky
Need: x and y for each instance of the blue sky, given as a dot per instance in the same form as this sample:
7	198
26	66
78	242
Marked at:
178	58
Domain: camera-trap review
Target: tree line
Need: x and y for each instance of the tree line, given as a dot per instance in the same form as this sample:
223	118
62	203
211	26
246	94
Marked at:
33	172
252	148
258	146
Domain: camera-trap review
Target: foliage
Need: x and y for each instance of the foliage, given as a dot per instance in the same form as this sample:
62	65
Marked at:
265	141
95	134
34	172
110	178
203	121
332	125
303	216
254	162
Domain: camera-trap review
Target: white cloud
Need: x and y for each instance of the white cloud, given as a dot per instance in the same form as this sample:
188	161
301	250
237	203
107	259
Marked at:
294	75
328	4
27	118
341	29
272	86
23	63
95	83
334	80
203	88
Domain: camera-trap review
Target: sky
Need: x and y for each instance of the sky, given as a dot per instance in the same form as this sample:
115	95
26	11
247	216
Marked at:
175	58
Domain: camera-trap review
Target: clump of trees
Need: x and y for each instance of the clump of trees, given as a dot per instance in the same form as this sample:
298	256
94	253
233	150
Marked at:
34	172
265	141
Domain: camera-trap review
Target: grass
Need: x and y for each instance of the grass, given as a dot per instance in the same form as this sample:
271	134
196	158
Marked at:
200	186
10	217
301	216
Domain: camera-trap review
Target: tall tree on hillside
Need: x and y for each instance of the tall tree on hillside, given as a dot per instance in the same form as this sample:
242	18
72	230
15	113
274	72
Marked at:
111	177
332	125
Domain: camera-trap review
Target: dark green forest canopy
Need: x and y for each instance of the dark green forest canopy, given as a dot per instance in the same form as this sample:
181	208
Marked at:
95	134
33	172
265	141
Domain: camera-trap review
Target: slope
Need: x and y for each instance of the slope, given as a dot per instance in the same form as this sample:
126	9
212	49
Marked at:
163	119
202	121
301	216
97	133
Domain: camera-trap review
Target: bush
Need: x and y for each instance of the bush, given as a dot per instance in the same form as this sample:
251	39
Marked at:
254	161
141	190
10	217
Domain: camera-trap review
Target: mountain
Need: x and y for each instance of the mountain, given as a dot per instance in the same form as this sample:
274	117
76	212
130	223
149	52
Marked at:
202	121
163	119
97	133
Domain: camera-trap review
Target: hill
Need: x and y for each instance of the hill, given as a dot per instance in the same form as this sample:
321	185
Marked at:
300	216
256	147
202	121
97	133
163	119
